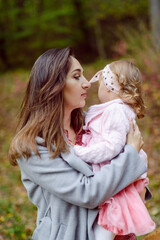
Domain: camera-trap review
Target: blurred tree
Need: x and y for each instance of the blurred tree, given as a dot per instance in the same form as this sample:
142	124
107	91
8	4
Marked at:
84	42
155	21
94	13
29	27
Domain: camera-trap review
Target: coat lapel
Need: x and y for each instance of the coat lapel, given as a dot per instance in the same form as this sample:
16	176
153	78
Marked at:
76	163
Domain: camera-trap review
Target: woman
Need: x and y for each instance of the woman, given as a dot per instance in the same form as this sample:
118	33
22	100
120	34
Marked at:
62	186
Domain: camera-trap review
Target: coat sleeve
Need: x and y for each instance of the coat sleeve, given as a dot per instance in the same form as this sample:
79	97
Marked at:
59	178
114	128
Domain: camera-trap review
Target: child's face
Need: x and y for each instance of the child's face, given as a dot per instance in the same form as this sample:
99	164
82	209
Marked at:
103	94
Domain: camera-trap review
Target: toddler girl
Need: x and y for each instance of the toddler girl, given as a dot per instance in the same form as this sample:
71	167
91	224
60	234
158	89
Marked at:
106	128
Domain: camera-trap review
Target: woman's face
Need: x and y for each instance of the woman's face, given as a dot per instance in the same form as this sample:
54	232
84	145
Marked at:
75	89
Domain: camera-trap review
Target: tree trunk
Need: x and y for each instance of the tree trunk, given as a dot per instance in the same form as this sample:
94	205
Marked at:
40	7
4	25
20	3
85	44
155	21
3	55
99	40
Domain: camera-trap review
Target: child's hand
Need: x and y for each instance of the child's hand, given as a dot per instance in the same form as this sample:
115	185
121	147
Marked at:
134	137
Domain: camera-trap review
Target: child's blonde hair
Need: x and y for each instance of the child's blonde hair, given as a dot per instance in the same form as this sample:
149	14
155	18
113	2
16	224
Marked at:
129	78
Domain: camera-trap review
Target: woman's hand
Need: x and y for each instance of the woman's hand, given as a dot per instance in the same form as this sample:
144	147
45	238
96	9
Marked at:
134	137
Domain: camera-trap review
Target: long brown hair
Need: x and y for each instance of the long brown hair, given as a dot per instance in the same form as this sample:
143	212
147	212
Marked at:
129	78
43	107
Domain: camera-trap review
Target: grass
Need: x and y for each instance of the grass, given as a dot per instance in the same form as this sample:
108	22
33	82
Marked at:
17	214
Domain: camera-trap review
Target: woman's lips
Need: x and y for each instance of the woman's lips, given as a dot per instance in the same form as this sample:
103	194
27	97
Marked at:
84	95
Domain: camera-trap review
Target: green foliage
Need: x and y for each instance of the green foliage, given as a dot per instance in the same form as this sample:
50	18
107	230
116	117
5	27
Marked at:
32	28
28	28
115	9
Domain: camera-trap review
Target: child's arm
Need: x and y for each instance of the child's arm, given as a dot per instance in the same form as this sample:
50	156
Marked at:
115	126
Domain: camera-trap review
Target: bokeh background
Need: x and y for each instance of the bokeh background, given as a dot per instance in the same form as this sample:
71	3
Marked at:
99	31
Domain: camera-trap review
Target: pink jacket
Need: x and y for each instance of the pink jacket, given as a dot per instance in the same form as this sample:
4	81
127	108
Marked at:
106	127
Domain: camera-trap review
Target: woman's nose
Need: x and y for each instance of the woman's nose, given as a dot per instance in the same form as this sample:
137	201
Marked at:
86	84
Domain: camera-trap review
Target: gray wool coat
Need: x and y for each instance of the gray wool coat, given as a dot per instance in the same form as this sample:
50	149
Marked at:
67	192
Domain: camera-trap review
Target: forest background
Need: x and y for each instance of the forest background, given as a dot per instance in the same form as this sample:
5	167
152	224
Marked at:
99	31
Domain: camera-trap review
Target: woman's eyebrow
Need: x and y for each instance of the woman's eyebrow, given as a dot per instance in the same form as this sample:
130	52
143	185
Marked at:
78	69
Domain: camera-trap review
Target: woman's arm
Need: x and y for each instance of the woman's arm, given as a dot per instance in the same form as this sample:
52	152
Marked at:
62	177
58	177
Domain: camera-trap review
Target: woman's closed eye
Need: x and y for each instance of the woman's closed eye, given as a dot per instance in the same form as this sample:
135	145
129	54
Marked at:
77	77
